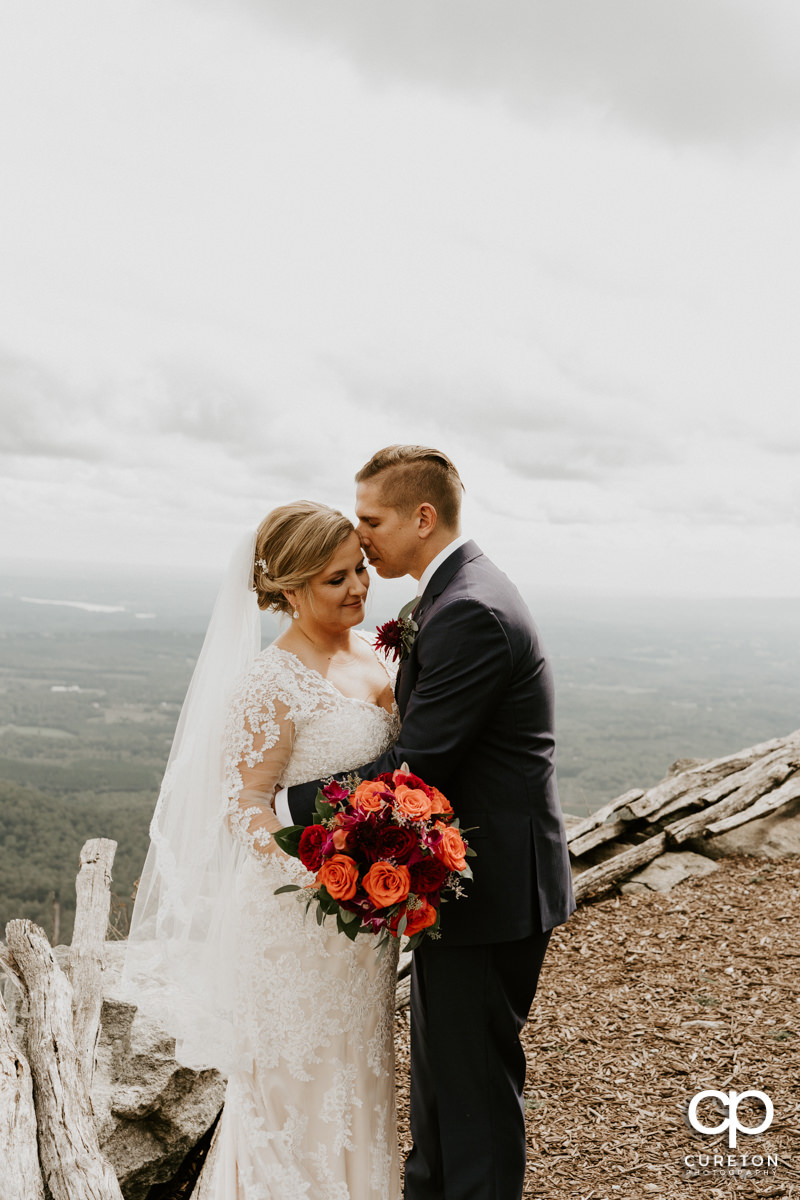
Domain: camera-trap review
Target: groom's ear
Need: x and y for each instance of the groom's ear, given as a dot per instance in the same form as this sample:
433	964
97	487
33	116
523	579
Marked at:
426	520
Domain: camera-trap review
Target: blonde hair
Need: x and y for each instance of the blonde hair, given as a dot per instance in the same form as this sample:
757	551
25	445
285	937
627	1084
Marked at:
413	475
294	542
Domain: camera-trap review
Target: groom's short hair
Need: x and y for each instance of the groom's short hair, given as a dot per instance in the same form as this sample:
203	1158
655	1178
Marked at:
413	475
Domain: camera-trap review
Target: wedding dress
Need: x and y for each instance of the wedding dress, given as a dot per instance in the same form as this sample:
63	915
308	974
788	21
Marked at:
309	1110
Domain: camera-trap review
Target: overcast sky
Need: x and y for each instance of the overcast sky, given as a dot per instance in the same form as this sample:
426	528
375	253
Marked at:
245	243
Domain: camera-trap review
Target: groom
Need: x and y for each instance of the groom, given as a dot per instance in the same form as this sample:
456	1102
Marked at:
475	695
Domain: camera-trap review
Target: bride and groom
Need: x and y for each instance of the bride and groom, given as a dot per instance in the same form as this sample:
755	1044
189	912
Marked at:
300	1018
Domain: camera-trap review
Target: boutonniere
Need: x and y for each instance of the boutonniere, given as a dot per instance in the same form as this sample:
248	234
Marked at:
397	637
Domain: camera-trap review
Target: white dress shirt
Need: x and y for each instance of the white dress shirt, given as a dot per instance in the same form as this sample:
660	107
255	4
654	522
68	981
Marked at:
282	811
433	566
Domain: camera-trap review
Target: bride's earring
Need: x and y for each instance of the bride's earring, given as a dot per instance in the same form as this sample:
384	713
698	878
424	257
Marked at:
296	615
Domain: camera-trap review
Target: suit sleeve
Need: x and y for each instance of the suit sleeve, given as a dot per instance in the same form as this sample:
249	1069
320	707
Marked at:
464	666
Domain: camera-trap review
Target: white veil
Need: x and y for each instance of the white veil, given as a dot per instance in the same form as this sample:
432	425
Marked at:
182	944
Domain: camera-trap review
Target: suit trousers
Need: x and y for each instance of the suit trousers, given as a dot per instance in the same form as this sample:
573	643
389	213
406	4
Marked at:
468	1007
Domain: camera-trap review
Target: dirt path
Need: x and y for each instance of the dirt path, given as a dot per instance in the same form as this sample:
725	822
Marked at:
645	1001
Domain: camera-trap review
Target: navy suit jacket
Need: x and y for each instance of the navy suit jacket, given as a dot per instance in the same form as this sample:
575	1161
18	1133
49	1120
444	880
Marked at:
476	700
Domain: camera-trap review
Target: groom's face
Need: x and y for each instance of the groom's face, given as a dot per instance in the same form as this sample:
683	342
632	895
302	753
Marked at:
389	538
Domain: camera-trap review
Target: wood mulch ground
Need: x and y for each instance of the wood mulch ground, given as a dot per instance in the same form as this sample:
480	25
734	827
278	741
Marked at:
644	1001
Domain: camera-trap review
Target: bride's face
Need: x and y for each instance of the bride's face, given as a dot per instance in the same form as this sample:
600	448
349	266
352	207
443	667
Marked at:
338	592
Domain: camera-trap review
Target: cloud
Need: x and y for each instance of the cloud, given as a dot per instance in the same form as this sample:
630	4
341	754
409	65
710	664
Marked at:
705	70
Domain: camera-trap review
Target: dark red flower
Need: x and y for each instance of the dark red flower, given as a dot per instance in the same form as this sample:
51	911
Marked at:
312	843
427	876
397	842
362	839
389	639
334	792
412	781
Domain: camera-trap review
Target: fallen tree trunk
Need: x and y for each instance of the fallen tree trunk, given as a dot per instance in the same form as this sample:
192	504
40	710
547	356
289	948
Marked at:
72	1164
598	879
93	888
595	837
698	779
788	791
753	783
19	1157
578	831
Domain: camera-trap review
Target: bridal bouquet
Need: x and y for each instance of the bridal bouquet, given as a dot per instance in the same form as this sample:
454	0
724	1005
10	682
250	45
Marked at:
383	853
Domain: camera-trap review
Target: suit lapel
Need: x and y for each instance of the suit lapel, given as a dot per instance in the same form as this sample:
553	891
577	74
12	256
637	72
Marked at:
449	568
407	672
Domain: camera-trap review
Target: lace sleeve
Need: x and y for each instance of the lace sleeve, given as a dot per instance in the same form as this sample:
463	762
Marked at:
260	740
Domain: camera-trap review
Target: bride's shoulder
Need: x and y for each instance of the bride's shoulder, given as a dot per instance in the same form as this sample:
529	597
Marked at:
273	669
372	655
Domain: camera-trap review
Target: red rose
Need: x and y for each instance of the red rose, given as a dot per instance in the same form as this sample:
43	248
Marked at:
396	842
420	918
427	876
408	780
310	850
416	918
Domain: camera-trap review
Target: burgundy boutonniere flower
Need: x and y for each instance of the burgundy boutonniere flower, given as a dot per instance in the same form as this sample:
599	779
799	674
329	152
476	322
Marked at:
397	637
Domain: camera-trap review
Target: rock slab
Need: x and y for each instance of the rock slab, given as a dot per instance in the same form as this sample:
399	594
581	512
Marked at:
666	871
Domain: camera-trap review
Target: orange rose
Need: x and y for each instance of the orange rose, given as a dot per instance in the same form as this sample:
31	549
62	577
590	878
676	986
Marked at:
412	802
340	877
370	796
418	918
386	884
439	802
450	848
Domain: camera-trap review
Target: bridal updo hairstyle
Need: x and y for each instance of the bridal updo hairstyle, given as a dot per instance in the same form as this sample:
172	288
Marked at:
413	475
295	541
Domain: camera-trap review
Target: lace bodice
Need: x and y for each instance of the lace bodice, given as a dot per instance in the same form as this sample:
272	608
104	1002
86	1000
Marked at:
288	724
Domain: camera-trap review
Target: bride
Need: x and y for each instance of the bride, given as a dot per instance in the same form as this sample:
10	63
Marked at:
299	1017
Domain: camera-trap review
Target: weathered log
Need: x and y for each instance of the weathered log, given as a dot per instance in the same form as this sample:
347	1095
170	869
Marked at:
755	781
600	816
598	879
93	889
20	1174
72	1164
698	779
595	837
788	791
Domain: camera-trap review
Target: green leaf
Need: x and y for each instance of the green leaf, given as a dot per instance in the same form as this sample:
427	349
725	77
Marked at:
381	946
348	916
320	914
467	872
326	902
288	839
288	887
323	807
471	853
351	929
401	925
